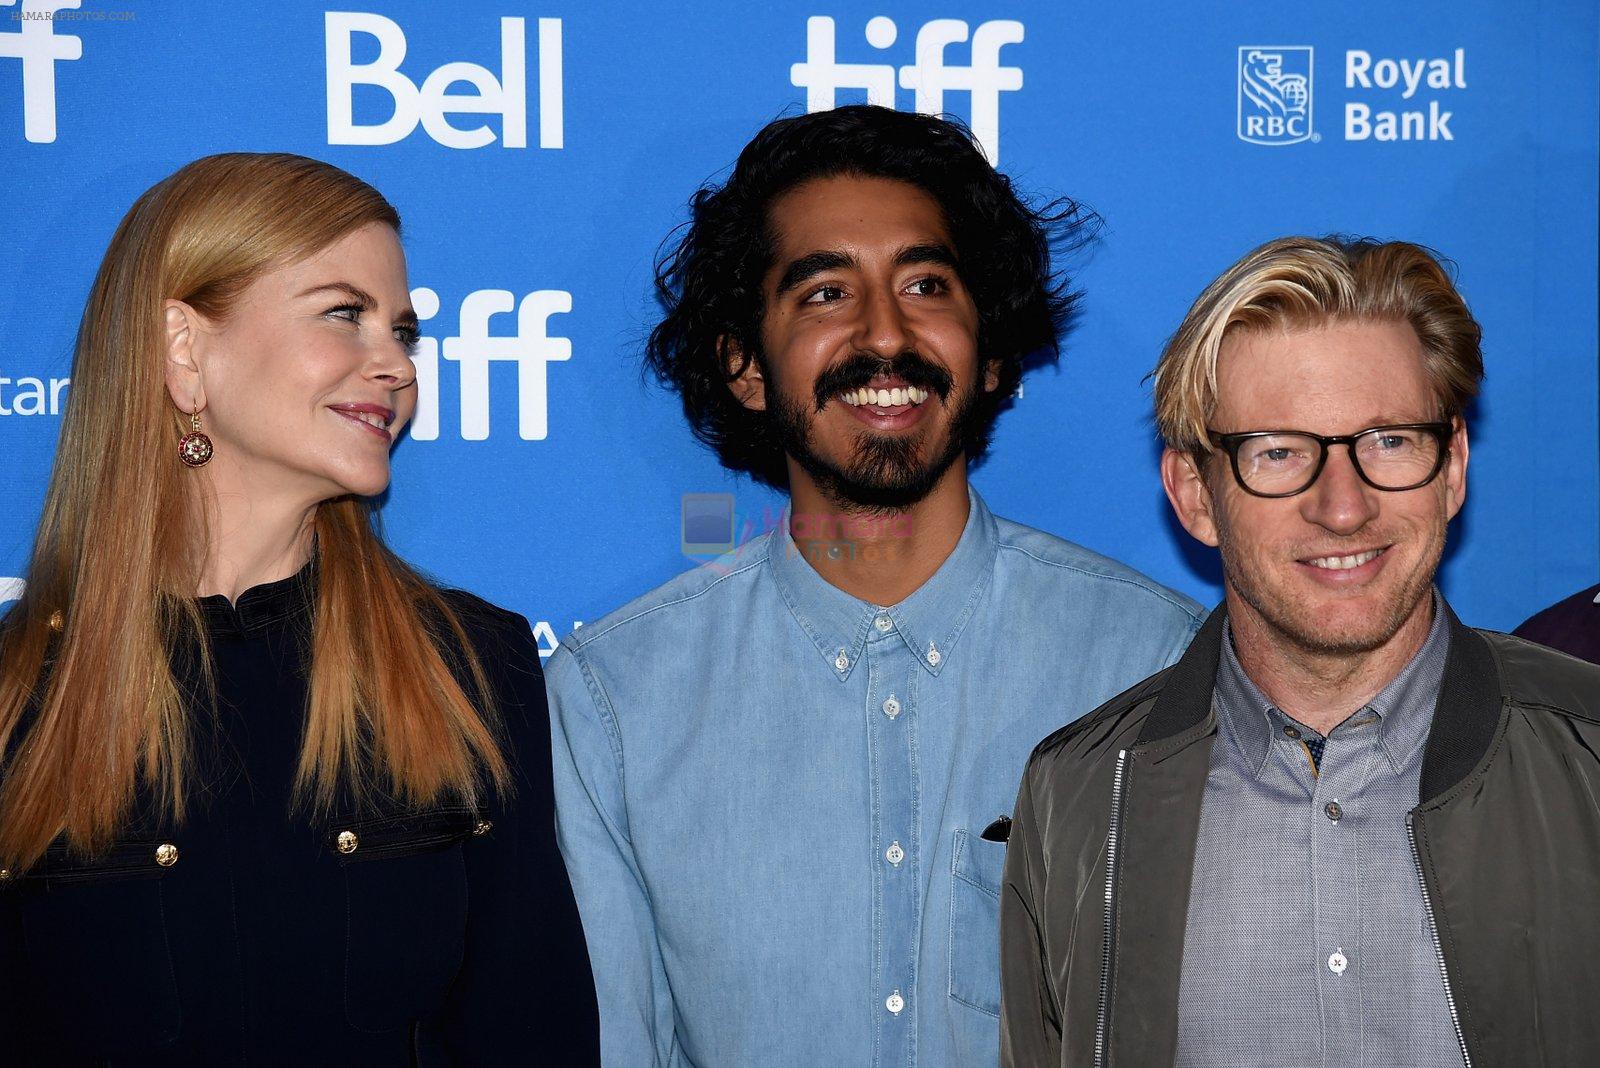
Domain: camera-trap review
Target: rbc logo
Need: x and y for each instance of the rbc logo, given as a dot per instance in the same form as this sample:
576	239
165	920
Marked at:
531	349
1275	94
506	96
984	79
38	46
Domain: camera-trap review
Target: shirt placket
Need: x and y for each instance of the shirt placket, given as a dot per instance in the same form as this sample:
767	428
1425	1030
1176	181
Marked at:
1337	890
896	857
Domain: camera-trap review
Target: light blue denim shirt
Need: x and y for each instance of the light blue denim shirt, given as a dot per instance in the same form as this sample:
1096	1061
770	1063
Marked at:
770	794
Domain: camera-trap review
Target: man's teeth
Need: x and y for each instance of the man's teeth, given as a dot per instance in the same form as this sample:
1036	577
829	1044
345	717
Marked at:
884	398
1345	563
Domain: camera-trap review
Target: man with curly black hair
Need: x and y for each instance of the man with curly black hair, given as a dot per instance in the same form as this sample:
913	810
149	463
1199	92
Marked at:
782	780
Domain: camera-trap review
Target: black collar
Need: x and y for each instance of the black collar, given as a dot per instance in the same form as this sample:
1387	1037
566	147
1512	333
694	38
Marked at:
1464	722
272	604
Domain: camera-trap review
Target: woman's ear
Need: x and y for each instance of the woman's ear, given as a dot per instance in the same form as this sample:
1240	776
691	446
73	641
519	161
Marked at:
182	363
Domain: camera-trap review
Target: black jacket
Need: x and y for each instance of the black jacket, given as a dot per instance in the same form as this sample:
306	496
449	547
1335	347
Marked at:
251	933
1506	839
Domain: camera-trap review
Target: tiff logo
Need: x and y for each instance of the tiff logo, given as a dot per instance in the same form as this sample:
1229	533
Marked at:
38	46
433	103
530	348
984	79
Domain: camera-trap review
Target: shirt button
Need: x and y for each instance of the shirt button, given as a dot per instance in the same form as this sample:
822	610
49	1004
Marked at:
166	854
933	657
842	662
1335	813
883	623
1338	962
895	853
1291	732
891	707
894	1003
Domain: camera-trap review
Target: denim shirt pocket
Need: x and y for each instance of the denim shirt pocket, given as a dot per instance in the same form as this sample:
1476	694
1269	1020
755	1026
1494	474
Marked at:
406	912
96	942
976	868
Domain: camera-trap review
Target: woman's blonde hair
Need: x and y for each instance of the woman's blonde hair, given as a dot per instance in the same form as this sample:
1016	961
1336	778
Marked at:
87	654
1297	282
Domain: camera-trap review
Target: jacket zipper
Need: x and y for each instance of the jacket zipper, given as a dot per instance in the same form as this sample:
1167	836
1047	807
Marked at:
1438	949
1104	1013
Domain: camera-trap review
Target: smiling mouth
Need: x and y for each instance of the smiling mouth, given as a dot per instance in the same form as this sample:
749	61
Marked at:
374	416
884	394
1345	563
898	397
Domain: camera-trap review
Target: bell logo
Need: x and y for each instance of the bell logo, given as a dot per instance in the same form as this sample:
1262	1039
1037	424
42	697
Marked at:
930	77
531	349
433	103
38	46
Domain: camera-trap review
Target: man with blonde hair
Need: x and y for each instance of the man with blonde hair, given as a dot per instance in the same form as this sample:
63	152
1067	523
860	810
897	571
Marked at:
1344	829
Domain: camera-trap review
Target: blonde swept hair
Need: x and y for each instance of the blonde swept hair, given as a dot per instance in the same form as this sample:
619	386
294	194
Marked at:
1300	282
91	708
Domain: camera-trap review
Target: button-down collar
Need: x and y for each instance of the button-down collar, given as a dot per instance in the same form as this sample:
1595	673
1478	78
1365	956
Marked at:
1404	708
929	621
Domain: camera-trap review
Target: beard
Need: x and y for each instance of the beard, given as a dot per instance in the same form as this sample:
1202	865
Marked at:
885	473
1294	616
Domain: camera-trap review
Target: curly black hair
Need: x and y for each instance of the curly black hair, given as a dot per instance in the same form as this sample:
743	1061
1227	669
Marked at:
709	279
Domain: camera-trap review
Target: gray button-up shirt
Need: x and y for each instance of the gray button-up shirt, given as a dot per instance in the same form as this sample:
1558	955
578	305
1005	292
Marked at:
1308	940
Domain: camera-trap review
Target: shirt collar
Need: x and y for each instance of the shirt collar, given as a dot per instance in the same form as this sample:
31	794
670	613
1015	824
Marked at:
1404	707
262	607
929	621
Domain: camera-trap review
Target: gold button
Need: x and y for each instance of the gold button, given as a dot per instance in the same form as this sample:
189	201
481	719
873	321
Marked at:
483	827
5	873
347	841
166	854
56	622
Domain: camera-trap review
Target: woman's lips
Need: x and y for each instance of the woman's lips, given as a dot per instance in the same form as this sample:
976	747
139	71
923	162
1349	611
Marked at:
363	416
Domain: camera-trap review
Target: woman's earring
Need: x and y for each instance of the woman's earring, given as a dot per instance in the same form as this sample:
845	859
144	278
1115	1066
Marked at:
194	448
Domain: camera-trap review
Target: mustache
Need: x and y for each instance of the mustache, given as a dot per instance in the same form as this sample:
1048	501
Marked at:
858	369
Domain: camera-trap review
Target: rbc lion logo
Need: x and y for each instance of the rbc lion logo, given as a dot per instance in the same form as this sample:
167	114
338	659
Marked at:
1274	94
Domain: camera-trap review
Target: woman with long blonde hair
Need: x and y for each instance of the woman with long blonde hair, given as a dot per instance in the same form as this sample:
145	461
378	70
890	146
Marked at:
266	794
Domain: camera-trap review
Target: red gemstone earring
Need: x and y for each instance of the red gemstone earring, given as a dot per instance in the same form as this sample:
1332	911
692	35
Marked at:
194	448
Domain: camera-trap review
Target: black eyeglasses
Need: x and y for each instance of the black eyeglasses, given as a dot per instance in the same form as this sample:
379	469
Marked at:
1282	463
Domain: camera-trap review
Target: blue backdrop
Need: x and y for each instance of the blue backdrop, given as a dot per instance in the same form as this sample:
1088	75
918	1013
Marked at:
540	152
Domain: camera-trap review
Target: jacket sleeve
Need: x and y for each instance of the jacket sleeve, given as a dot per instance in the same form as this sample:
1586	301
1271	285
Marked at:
525	989
1030	1025
636	1010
